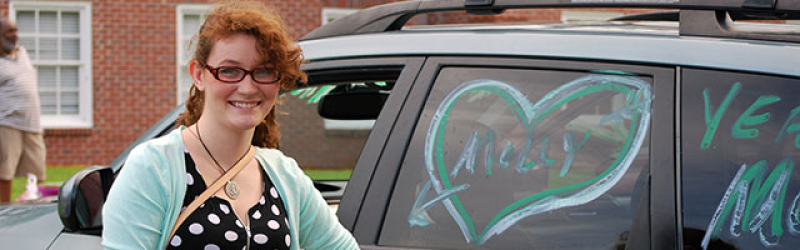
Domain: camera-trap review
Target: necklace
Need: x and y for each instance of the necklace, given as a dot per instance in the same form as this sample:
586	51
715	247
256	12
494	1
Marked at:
231	189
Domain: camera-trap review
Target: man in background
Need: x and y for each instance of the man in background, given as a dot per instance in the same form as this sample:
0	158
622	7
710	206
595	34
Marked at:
22	148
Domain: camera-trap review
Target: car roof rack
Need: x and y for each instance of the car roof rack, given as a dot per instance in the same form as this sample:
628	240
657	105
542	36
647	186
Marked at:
673	16
697	17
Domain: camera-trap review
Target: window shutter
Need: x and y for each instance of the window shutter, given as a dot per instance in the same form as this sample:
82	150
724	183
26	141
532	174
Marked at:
48	48
69	78
190	26
69	102
48	22
191	23
26	21
70	49
47	78
47	89
48	102
70	23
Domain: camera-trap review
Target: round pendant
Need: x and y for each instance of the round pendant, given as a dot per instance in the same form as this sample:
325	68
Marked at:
232	190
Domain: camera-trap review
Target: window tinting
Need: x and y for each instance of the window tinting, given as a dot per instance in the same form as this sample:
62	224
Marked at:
523	159
739	145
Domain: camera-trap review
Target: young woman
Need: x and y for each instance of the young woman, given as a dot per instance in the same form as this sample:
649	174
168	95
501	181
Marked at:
244	56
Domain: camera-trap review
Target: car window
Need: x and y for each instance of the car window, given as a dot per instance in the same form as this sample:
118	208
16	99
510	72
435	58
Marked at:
739	145
316	142
503	158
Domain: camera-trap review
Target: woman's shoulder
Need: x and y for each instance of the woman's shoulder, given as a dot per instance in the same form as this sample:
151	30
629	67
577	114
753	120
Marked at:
161	147
274	156
277	160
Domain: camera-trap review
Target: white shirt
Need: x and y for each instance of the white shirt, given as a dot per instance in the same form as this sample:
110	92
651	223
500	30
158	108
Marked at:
19	96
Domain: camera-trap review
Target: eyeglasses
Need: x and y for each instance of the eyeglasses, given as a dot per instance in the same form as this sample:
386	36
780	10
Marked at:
230	74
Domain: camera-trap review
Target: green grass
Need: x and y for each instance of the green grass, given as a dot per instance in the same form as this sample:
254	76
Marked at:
56	175
329	175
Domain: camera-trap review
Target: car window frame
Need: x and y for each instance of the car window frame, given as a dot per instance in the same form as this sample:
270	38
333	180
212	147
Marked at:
660	224
364	168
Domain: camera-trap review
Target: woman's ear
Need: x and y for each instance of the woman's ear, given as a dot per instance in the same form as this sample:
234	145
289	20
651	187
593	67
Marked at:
196	71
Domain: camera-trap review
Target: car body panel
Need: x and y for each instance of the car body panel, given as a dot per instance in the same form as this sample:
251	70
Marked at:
663	49
25	226
68	241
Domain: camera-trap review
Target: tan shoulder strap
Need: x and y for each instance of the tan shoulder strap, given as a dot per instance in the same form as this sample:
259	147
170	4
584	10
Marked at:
211	190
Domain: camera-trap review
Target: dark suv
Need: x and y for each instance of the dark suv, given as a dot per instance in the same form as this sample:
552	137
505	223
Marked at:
671	130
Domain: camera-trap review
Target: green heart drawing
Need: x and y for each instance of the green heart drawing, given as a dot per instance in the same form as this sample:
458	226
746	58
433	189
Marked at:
637	109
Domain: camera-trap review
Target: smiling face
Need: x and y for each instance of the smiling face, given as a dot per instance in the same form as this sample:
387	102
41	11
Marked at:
238	106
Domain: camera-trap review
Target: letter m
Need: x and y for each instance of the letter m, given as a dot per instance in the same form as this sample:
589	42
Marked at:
754	201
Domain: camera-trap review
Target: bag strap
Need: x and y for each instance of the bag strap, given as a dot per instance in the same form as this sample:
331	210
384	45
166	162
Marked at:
212	189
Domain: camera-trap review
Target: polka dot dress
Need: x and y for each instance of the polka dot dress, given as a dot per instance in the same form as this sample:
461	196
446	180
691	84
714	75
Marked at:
214	225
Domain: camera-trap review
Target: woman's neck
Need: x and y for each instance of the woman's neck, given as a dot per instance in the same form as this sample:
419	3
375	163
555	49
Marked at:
225	145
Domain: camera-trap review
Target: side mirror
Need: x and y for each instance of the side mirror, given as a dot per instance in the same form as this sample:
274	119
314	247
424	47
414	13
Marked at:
362	105
81	199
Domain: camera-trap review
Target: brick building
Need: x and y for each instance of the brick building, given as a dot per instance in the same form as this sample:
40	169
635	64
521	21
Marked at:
109	69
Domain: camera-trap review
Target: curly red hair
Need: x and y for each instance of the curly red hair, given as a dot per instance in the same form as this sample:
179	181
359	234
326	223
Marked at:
274	43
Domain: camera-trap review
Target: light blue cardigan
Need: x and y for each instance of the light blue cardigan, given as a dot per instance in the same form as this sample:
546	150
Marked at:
147	197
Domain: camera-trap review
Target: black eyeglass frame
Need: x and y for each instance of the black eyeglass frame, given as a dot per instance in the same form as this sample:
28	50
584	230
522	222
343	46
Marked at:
215	72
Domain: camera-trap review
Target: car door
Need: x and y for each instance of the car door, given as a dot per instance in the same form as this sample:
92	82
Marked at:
499	153
739	147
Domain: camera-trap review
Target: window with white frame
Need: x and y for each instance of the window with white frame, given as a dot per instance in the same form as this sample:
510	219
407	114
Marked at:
58	38
330	14
190	18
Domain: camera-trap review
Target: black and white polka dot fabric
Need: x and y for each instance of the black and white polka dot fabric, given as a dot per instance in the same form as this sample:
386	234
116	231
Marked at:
214	225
